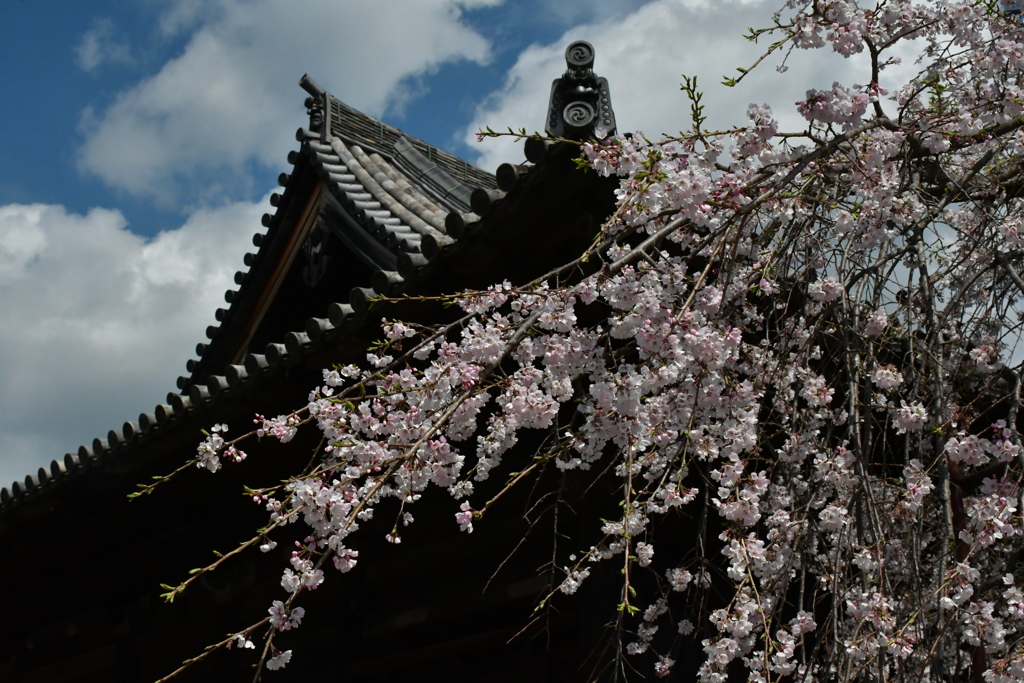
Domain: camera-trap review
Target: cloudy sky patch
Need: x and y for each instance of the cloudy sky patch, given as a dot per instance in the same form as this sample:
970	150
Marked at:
100	46
98	321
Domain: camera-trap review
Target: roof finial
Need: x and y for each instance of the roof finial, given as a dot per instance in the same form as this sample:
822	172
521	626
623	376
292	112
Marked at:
318	104
580	105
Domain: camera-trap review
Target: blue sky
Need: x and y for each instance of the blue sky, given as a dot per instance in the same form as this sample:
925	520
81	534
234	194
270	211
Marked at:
139	140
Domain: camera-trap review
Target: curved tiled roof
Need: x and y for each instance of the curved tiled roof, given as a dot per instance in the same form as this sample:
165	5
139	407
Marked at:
389	207
401	214
416	157
400	206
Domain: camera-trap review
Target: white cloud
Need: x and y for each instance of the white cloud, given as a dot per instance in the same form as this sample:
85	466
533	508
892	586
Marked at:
98	46
573	12
182	15
232	96
643	54
98	322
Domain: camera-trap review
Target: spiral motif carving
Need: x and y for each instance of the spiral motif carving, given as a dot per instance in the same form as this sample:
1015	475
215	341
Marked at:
579	114
580	55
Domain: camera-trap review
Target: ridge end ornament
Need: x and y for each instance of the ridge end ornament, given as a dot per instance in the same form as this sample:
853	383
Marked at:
580	107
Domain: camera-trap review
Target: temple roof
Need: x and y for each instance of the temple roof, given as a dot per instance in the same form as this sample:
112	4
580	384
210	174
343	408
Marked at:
364	211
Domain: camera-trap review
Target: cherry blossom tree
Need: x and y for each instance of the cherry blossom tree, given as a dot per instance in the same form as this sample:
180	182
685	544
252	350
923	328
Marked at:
799	347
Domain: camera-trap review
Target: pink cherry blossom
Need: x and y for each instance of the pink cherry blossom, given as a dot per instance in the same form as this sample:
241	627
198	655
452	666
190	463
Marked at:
792	355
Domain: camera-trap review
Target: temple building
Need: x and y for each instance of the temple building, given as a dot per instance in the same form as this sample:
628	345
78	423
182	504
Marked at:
363	211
